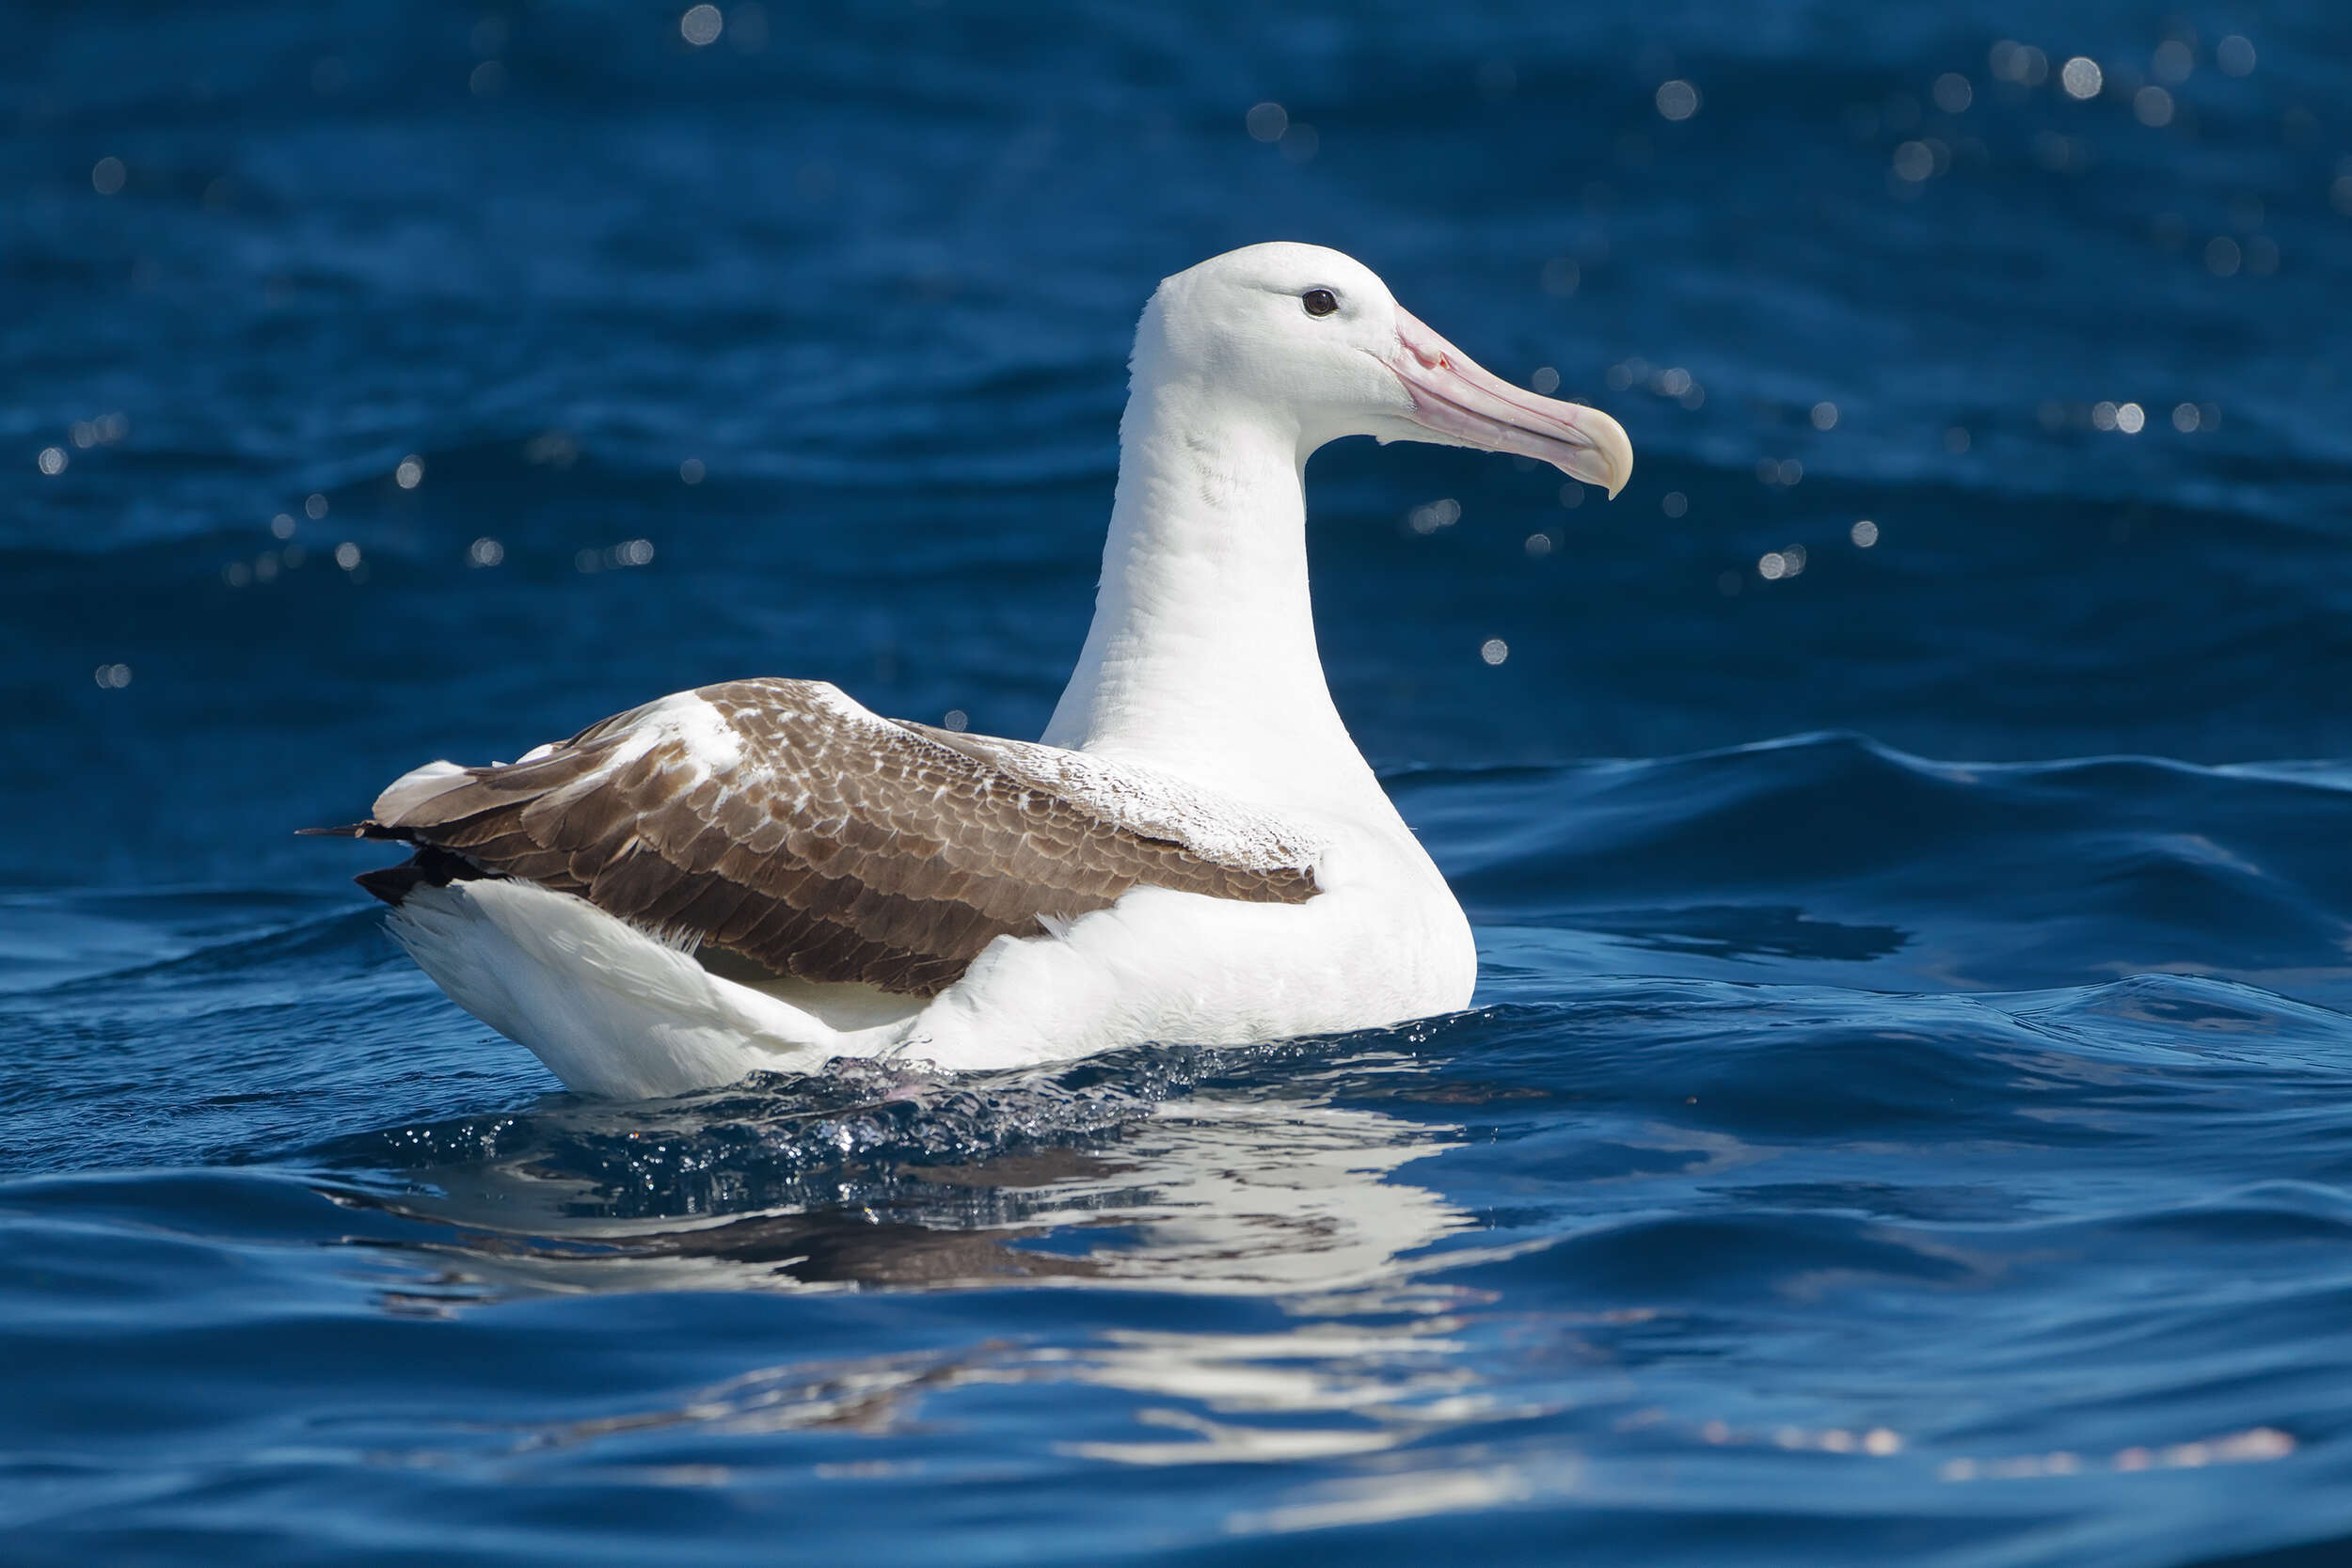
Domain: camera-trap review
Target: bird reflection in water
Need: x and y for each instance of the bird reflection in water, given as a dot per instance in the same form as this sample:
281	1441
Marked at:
1299	1202
871	1175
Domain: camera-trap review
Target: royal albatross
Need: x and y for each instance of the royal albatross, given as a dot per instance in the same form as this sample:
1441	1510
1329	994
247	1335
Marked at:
761	874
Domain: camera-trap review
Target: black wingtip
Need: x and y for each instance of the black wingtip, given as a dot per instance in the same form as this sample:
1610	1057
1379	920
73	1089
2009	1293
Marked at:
367	828
391	884
427	868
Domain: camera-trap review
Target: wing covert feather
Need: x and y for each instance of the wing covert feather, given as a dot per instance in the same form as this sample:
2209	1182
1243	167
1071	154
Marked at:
779	821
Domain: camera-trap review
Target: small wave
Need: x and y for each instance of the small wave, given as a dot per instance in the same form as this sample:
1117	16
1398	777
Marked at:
1843	853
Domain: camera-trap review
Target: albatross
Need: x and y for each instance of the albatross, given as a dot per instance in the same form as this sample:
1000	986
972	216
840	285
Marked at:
763	875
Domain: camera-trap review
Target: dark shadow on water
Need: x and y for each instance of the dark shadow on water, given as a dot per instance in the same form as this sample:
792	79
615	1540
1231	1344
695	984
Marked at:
1741	932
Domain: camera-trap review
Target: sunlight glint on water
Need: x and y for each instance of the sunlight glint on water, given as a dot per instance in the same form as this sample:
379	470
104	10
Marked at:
1905	1118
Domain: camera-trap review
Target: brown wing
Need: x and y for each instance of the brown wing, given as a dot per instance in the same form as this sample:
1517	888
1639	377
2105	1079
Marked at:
777	821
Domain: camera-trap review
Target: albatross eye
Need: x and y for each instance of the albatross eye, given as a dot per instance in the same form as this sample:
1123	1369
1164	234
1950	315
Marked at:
1319	302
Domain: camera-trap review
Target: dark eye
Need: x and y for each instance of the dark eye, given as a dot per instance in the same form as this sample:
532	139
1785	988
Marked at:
1319	302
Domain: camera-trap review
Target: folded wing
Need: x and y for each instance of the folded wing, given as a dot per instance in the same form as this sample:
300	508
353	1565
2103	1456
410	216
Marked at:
779	821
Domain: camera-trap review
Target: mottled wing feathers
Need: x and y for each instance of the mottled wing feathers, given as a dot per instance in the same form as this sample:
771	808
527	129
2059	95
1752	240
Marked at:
780	821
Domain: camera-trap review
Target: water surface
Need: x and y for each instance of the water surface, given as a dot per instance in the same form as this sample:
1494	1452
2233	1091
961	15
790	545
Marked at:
1908	1112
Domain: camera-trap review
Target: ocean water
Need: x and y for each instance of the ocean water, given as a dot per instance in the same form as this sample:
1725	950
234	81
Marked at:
1907	1115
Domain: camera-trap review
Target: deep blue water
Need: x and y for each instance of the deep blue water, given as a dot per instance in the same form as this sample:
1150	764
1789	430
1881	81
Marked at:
1908	1114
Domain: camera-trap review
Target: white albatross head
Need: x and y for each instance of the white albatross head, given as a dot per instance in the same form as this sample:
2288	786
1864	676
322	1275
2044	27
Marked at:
1310	336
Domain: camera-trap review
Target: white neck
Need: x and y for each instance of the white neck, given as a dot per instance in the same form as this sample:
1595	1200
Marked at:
1201	660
